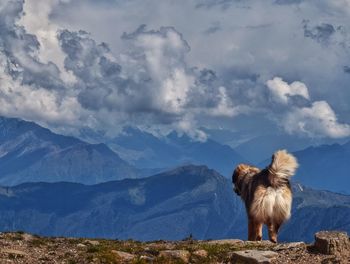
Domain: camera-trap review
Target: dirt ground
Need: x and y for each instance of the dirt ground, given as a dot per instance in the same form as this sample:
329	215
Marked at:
25	248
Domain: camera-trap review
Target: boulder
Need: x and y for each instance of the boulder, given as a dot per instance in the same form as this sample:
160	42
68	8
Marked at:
253	256
183	255
332	243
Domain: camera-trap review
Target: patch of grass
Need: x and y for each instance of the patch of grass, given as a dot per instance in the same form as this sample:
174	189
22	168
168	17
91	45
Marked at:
163	260
217	249
44	259
37	242
16	237
73	241
140	261
93	249
90	258
108	257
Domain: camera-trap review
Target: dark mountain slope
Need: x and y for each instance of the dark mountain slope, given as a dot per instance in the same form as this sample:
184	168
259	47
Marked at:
31	153
172	205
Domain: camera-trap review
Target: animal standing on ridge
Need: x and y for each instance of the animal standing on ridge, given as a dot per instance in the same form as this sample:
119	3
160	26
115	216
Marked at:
266	193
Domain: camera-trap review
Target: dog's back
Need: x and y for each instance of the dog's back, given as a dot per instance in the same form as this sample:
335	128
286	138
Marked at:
272	195
266	193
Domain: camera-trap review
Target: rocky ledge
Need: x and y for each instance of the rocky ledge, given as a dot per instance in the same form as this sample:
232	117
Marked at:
329	247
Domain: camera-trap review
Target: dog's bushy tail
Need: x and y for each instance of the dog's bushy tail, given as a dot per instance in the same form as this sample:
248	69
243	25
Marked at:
282	167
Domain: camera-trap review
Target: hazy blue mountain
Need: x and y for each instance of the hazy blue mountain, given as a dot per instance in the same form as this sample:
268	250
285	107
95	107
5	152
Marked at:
172	205
258	148
315	210
145	150
228	137
31	153
325	167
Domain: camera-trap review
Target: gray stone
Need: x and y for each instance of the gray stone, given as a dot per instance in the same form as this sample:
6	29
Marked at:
225	241
184	255
28	237
80	245
147	259
253	256
200	253
124	256
92	242
332	243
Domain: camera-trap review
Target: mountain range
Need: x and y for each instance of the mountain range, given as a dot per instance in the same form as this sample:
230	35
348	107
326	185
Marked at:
31	153
144	150
190	200
325	167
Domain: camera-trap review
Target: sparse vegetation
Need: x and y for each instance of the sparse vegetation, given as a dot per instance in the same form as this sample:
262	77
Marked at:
24	248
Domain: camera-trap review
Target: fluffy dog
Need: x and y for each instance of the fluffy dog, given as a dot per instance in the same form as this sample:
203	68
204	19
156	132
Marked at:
266	193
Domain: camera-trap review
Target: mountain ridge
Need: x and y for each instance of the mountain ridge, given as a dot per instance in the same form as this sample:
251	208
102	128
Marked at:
144	150
172	205
29	152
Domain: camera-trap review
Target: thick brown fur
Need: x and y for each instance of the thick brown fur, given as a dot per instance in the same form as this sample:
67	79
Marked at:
266	193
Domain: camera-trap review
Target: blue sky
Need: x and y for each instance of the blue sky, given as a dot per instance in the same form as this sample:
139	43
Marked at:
247	66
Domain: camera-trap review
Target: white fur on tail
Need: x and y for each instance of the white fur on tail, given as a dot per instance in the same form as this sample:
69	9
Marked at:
283	165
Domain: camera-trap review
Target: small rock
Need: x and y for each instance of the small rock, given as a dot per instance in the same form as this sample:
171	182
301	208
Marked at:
266	243
332	243
200	253
289	246
124	255
14	252
184	255
92	242
253	256
28	237
162	245
225	241
80	245
147	259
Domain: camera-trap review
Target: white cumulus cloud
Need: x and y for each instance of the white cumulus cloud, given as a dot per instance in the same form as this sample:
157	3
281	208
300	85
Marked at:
318	120
313	119
281	90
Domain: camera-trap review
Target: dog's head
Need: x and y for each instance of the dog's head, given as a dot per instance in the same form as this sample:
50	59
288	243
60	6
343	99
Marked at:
241	173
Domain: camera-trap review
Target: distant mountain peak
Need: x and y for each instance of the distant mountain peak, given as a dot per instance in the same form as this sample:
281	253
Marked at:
31	153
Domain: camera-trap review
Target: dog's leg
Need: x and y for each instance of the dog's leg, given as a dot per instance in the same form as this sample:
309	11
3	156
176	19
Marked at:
251	234
258	231
273	229
277	228
272	232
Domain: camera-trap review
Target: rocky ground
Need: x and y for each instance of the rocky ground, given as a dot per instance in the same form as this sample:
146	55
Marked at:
25	248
